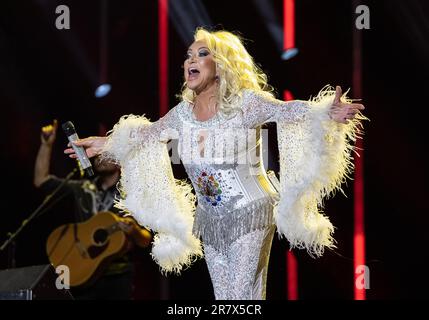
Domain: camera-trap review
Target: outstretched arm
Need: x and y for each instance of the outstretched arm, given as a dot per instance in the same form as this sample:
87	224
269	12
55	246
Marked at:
131	130
92	145
260	109
316	158
148	184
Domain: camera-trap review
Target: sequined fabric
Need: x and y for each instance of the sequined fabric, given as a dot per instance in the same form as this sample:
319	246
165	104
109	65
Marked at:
222	157
240	272
234	215
223	161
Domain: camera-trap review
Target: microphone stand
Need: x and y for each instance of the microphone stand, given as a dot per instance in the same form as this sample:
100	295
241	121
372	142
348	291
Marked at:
40	209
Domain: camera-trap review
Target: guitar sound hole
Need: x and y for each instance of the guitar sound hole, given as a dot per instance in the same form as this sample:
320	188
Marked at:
100	236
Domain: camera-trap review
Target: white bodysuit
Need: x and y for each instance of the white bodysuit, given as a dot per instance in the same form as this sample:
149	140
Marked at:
237	205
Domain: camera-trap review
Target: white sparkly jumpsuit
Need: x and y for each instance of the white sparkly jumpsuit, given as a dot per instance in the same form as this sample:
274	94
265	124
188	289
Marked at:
234	216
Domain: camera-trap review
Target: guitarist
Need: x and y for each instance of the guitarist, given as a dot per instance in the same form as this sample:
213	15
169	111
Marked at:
90	197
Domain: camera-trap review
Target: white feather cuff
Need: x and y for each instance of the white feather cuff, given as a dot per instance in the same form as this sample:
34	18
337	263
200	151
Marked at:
315	159
151	193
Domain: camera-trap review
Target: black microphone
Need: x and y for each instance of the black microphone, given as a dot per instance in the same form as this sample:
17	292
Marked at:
71	134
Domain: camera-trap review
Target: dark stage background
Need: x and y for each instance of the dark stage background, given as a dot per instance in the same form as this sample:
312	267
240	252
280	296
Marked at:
47	73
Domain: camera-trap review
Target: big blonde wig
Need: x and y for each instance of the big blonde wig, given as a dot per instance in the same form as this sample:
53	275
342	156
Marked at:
235	68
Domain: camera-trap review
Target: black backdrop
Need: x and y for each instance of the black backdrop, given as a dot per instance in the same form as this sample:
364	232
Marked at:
46	73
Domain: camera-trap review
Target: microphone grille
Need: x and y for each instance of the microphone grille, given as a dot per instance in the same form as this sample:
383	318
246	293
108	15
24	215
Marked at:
68	128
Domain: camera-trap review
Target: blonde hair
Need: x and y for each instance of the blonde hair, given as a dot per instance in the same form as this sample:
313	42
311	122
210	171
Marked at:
235	68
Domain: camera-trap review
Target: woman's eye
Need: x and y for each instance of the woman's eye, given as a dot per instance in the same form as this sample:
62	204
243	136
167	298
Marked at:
200	54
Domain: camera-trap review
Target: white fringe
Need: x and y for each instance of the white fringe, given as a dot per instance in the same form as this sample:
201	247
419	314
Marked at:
221	232
315	159
151	193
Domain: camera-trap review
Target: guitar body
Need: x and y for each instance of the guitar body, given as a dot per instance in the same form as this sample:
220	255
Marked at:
86	248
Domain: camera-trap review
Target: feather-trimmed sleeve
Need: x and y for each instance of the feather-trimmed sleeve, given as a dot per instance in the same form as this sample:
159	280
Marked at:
315	159
149	190
132	131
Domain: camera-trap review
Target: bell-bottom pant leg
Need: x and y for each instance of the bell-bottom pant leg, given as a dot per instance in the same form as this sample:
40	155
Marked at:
240	273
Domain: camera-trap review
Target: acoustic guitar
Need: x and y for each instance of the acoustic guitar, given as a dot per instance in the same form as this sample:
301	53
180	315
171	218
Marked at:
87	248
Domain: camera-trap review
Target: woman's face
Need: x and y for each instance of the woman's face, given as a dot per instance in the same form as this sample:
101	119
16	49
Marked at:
199	67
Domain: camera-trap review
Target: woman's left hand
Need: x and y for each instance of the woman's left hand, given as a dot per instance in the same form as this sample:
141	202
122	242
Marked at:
340	111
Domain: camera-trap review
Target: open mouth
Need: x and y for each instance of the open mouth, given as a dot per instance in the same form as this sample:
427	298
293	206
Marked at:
193	73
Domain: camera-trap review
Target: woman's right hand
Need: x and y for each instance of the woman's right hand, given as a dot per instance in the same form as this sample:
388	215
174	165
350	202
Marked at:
92	145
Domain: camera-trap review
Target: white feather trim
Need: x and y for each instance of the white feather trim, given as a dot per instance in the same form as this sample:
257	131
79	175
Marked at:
315	159
151	193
